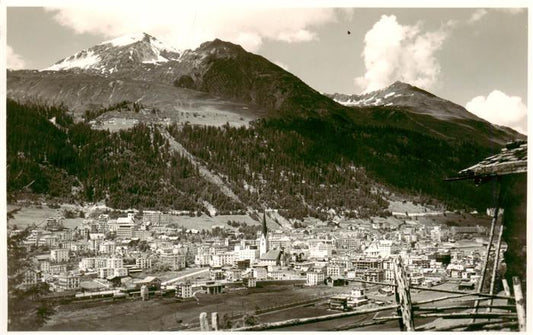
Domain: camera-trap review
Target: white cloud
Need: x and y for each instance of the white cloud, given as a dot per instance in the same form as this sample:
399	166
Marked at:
187	25
14	61
480	13
477	15
396	52
501	109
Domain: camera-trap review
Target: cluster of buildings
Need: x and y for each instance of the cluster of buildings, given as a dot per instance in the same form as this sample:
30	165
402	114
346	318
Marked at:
104	253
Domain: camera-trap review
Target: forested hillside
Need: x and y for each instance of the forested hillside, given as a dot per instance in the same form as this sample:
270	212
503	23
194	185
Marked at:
302	166
324	164
72	162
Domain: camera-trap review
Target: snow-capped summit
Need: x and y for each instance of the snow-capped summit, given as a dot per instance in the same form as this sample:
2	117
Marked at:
122	53
401	94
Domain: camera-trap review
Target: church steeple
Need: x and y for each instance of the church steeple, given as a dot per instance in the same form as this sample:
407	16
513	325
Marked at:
263	241
264	224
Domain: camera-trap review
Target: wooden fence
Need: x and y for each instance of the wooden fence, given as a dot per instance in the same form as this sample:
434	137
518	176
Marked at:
497	317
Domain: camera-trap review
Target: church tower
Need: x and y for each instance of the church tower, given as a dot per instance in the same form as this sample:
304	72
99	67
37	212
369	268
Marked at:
263	242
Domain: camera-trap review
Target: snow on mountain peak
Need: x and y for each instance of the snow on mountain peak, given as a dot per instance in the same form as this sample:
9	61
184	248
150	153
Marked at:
138	37
84	59
126	39
401	94
119	53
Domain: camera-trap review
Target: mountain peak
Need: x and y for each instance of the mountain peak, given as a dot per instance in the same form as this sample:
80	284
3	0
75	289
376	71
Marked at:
402	94
220	48
124	52
129	39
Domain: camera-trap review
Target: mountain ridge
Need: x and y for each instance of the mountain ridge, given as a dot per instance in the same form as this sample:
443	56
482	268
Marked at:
118	54
405	95
239	85
310	151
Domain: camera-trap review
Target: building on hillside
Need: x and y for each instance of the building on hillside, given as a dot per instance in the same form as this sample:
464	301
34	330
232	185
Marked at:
202	259
184	291
56	269
314	278
54	224
259	272
374	275
59	255
143	262
367	263
112	272
249	282
272	257
387	248
68	281
44	266
246	253
334	271
233	274
31	277
153	283
320	249
108	248
174	261
125	230
221	259
115	263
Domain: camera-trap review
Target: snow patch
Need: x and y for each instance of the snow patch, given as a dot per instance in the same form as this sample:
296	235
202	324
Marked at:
350	102
125	40
84	60
389	95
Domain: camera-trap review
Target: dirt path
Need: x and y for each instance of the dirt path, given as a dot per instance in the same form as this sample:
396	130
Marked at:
204	171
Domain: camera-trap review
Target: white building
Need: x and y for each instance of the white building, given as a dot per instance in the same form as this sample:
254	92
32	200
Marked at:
242	254
112	272
315	278
387	248
59	255
226	258
184	291
143	263
334	270
115	263
108	247
320	250
174	261
68	281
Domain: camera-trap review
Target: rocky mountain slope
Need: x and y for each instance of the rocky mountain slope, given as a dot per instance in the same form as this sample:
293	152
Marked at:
118	55
305	152
410	107
416	100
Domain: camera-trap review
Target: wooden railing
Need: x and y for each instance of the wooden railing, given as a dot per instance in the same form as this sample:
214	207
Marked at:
500	316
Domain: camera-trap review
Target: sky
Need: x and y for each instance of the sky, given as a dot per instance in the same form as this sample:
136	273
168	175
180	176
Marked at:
476	57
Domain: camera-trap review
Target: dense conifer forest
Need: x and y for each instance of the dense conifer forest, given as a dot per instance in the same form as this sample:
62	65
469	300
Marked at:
302	166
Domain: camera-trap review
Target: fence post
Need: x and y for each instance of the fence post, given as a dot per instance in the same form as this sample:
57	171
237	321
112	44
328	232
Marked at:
506	289
403	297
214	321
520	304
204	324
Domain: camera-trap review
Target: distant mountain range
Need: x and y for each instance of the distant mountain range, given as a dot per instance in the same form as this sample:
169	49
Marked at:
404	95
388	132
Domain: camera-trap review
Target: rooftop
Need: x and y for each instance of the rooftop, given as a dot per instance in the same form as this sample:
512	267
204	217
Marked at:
511	159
